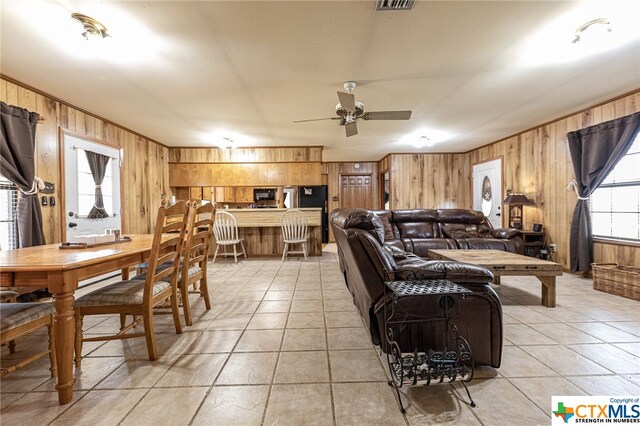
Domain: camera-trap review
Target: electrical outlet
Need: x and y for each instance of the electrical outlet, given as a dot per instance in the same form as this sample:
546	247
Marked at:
553	248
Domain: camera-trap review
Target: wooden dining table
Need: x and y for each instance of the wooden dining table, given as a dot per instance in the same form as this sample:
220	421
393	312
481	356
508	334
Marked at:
60	271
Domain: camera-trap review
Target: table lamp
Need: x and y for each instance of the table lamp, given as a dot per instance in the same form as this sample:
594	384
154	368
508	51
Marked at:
516	201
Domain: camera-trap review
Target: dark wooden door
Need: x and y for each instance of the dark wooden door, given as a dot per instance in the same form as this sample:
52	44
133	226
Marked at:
356	191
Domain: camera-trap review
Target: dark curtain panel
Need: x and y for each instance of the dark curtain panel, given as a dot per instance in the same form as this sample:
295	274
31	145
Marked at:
17	163
595	151
98	165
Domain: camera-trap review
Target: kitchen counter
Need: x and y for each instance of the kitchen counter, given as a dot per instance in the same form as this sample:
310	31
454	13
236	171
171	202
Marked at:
249	218
261	230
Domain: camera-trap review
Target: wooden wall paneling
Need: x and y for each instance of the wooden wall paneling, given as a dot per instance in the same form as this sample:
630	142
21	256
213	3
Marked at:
144	175
237	174
538	163
47	165
181	193
195	192
207	193
333	172
429	181
245	155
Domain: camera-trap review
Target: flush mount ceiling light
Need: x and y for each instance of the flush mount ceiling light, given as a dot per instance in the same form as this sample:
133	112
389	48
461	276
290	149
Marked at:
424	141
91	26
227	143
601	24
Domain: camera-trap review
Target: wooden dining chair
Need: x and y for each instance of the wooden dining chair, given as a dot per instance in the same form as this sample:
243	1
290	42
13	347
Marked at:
18	319
294	231
137	297
194	266
225	229
9	296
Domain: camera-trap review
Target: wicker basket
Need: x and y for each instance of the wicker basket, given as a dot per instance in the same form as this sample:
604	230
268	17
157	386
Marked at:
619	280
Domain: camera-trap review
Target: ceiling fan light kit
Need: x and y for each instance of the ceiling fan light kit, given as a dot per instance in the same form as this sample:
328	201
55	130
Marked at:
91	26
349	111
601	23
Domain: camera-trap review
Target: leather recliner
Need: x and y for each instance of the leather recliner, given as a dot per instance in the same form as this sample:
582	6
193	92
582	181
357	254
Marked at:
418	230
367	264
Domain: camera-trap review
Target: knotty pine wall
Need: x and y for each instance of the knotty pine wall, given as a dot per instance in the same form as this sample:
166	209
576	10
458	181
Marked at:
145	171
331	174
537	162
271	166
428	180
246	155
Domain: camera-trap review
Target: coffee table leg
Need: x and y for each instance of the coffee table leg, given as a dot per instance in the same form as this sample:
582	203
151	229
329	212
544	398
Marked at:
548	291
64	330
496	279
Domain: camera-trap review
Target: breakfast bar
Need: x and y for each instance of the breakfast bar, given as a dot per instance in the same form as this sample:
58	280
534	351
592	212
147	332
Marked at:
262	234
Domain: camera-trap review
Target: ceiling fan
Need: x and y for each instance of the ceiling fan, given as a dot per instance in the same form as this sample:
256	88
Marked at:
349	111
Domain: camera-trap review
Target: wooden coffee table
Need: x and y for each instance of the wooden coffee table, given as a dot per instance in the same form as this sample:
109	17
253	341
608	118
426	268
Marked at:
502	263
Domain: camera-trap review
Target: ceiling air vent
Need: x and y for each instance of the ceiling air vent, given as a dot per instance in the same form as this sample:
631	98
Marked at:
394	4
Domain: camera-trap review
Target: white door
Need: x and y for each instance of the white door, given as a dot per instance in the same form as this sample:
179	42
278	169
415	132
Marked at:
487	190
80	188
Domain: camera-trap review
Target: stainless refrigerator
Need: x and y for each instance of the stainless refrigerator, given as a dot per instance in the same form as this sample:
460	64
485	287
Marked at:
316	196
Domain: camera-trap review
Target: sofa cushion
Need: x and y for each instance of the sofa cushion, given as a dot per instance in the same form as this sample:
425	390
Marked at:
421	246
482	244
390	258
460	230
361	219
386	217
417	223
460	216
395	252
457	272
506	233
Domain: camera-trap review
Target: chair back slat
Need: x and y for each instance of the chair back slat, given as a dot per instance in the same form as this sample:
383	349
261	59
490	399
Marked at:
225	227
199	237
166	248
294	225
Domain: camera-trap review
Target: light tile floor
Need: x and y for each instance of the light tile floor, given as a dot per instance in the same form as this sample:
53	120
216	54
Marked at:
284	344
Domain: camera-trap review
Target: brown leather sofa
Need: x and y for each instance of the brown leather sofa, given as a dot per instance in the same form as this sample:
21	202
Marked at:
419	230
367	264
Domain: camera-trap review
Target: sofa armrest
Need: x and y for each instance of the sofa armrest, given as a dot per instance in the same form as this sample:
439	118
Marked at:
457	272
505	233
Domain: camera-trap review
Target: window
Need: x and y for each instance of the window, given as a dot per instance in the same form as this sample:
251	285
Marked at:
8	218
87	186
615	205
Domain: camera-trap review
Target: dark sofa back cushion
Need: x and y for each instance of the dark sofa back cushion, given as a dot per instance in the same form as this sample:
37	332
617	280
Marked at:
472	217
386	217
360	219
416	223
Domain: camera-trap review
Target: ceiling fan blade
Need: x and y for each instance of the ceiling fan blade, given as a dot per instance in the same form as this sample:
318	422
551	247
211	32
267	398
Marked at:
347	101
351	129
316	119
387	115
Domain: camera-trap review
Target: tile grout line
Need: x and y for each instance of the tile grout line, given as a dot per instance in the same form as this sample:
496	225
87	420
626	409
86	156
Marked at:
275	367
326	336
208	392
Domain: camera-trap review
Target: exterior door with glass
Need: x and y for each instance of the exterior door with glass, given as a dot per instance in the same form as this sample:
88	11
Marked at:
487	190
80	188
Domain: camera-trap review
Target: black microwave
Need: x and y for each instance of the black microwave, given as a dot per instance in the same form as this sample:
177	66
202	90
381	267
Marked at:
264	194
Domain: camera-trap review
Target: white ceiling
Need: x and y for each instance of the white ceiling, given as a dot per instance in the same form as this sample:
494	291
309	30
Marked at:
188	73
